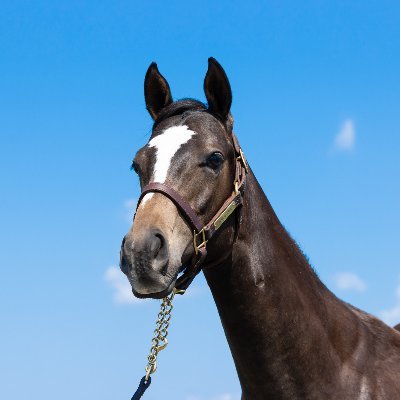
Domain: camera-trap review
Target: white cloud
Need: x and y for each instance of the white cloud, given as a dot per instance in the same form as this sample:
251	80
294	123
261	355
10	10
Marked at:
129	209
349	281
346	137
392	315
121	286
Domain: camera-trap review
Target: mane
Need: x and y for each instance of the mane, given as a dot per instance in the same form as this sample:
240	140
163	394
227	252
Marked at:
179	107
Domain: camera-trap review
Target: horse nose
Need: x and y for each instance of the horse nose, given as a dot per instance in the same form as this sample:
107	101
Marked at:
153	247
146	251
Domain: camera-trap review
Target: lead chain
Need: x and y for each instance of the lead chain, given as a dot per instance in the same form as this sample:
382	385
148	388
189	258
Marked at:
160	341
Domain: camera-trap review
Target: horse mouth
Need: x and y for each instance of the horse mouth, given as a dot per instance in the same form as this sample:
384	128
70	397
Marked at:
168	286
155	295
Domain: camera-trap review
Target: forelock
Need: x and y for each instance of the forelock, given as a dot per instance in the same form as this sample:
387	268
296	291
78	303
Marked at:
178	108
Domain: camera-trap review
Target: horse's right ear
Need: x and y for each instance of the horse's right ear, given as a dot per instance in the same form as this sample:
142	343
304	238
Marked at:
157	93
217	90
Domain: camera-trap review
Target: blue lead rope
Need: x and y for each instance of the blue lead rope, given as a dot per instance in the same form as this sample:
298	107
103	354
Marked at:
143	385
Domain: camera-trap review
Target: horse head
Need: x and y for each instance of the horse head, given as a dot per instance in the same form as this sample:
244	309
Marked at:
190	151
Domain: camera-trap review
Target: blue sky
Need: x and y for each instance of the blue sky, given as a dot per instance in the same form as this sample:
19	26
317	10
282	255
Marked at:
316	105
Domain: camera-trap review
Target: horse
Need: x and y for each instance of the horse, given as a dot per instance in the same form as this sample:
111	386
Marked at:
290	336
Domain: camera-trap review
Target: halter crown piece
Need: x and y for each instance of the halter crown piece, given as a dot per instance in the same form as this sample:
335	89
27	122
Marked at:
201	235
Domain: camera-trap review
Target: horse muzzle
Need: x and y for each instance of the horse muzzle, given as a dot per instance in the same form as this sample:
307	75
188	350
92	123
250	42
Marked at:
145	260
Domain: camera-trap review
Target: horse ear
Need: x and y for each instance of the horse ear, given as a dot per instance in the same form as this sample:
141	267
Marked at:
157	93
218	90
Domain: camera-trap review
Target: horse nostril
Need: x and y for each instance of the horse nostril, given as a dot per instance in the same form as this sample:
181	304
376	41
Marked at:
124	266
123	263
157	243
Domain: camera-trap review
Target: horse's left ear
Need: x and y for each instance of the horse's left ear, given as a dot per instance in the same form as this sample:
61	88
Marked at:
218	90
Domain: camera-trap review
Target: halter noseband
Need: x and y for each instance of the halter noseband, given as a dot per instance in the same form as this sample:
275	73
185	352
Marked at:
203	233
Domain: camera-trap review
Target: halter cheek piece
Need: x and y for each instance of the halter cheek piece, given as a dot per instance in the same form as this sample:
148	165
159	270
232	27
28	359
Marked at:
203	233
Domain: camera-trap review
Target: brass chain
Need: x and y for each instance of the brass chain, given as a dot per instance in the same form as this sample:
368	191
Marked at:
160	341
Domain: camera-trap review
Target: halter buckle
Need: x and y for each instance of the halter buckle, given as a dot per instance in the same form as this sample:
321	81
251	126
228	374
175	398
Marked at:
242	158
203	242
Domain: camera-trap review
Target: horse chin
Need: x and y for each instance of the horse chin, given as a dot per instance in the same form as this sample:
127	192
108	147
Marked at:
153	291
144	294
157	290
155	285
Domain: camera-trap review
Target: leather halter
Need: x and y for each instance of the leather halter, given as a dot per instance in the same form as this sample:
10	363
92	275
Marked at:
203	233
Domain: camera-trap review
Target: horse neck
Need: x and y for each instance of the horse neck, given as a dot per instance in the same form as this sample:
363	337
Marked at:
275	311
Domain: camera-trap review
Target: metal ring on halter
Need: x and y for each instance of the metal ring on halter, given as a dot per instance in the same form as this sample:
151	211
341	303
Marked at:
237	187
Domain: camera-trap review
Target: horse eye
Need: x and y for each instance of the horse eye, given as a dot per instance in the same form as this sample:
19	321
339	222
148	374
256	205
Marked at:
135	167
215	160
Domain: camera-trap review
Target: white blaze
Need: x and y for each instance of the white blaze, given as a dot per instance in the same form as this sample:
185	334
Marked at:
167	144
